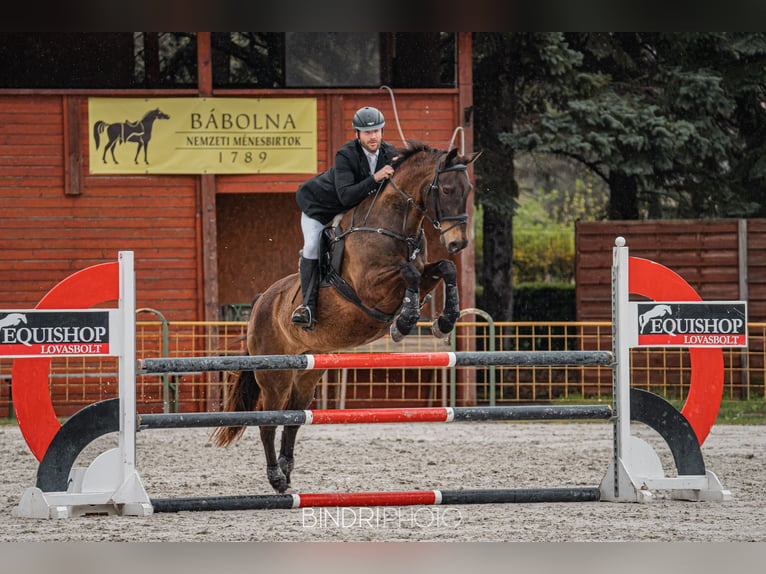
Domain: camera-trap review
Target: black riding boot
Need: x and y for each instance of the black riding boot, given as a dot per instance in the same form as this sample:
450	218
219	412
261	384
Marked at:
305	315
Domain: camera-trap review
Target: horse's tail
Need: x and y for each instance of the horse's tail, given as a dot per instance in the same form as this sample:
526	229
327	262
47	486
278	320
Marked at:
98	128
243	396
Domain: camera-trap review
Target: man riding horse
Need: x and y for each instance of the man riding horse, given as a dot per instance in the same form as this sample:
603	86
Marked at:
361	165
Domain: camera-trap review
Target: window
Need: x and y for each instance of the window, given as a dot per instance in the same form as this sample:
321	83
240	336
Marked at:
333	59
98	60
246	60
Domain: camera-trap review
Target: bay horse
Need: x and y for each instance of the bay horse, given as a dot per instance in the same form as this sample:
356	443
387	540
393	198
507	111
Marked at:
382	275
139	132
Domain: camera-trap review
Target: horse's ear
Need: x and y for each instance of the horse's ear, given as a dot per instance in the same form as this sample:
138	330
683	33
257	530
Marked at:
473	157
451	156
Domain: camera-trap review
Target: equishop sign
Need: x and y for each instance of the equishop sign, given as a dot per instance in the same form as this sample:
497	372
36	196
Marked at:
692	324
25	333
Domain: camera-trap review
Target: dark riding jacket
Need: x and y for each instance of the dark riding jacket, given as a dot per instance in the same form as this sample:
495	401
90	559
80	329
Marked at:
344	185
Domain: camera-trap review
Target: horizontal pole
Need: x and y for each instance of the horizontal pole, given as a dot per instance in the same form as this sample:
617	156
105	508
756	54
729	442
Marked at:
356	416
375	360
406	498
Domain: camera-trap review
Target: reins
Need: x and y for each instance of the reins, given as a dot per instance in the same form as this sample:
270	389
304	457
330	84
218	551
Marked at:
413	242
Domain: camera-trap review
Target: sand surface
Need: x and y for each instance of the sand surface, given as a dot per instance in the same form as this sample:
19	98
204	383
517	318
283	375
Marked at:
385	457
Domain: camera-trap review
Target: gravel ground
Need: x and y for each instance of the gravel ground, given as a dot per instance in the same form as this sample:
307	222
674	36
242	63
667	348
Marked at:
337	458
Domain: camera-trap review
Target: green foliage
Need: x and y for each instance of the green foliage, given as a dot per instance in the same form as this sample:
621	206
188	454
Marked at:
543	231
544	302
543	253
677	116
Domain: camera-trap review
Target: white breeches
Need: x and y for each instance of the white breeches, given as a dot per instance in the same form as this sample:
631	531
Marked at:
312	233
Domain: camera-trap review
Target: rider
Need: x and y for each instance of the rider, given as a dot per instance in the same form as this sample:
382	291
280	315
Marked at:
361	164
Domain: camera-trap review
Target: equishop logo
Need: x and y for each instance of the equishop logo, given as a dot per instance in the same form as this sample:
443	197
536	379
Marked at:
692	323
54	333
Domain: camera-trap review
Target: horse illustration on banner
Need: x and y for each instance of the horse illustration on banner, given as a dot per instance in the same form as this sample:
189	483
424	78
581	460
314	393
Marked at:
658	311
127	131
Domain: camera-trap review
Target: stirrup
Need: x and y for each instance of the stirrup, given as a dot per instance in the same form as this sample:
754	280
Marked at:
304	318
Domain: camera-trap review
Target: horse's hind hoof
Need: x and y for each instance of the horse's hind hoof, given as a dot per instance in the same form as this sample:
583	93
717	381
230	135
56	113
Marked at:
437	331
277	479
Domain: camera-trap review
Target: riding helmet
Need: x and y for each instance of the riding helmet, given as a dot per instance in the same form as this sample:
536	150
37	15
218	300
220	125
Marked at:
367	119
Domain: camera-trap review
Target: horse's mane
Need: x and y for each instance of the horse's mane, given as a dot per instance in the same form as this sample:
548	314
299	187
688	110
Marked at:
404	153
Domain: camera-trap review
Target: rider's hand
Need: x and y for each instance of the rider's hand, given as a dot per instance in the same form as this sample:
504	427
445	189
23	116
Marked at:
383	173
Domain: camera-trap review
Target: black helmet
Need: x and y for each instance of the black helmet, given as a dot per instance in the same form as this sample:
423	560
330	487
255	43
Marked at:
367	119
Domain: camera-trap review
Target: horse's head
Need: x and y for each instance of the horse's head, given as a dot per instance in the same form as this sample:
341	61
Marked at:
447	198
444	190
156	114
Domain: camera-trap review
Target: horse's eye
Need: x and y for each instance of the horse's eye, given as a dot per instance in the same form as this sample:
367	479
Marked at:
447	189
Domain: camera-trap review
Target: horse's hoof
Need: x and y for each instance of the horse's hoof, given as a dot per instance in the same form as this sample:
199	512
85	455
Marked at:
277	479
396	335
437	331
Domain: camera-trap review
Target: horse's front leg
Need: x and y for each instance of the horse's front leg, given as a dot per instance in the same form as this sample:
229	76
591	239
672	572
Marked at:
138	151
410	312
446	270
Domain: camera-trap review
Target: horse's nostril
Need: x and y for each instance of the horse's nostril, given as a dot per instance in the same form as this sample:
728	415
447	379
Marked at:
455	246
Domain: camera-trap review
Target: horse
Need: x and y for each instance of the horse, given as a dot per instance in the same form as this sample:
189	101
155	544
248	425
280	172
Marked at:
12	319
654	313
376	288
139	132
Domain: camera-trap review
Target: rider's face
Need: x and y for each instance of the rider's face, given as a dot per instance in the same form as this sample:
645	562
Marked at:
370	140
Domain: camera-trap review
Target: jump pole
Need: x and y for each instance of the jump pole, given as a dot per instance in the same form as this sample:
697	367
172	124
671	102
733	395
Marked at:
376	361
387	498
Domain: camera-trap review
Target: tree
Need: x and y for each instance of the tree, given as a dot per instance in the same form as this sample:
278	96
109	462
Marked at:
512	76
673	122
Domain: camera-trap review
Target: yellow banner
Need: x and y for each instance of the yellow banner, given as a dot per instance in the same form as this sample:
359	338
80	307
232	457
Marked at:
202	135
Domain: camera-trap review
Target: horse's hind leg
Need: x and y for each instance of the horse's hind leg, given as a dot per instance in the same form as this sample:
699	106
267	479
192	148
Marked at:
445	269
301	397
110	148
275	389
410	313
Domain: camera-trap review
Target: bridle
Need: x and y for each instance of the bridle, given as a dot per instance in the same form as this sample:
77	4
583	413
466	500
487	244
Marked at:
459	219
436	219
